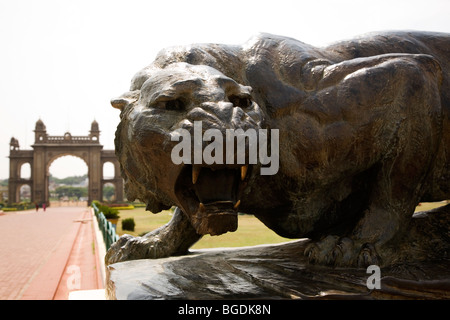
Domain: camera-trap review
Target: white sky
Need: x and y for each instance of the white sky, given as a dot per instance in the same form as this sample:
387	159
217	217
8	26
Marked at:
63	60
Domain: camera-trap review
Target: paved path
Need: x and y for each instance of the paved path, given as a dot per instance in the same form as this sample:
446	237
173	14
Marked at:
45	255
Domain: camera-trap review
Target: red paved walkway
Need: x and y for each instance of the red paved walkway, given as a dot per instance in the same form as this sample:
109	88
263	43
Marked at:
45	255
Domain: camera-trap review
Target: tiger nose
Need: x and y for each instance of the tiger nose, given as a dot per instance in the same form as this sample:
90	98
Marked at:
222	110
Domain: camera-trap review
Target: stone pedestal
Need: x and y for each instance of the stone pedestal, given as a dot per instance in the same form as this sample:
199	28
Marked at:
269	272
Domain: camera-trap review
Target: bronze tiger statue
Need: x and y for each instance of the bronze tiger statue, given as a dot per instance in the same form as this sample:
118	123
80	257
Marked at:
363	137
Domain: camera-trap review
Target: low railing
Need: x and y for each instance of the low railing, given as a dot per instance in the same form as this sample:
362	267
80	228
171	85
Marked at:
106	227
67	139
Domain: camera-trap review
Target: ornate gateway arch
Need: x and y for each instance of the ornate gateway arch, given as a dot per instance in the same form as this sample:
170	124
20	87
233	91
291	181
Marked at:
48	148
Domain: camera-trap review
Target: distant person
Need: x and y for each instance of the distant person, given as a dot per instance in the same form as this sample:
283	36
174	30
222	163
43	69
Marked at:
44	206
37	206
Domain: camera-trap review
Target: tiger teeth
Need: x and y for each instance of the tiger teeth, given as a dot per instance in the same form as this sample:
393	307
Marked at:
195	174
201	207
244	172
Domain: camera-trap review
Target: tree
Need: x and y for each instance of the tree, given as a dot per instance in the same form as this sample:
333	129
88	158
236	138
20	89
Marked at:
108	192
67	191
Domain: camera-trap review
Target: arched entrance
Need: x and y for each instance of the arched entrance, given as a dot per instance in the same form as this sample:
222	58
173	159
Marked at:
111	176
73	191
48	148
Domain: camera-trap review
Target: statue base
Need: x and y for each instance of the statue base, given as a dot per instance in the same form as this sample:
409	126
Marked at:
277	271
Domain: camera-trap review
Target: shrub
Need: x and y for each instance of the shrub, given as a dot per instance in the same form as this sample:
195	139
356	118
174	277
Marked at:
96	202
111	209
109	213
128	224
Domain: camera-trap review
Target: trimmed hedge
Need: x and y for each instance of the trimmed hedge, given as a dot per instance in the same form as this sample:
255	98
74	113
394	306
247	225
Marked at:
128	224
130	207
19	206
9	209
109	213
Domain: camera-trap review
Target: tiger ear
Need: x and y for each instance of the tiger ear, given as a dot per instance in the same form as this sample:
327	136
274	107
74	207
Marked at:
125	99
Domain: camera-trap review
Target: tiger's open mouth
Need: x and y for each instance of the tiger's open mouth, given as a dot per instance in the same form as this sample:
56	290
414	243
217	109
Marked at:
211	195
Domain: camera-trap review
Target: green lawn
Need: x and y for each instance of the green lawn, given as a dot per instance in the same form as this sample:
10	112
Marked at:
250	230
